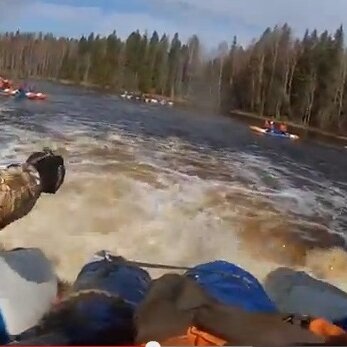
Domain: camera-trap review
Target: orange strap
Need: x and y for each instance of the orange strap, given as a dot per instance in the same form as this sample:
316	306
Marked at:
194	337
201	338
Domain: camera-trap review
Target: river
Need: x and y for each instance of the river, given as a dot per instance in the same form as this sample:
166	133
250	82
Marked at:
159	184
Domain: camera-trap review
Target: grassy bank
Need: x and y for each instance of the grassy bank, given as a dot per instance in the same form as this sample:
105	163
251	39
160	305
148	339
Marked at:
299	129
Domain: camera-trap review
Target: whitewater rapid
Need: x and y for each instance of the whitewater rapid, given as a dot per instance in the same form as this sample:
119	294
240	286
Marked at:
170	199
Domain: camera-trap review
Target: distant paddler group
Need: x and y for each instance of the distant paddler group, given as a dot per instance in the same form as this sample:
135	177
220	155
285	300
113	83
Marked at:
147	98
273	129
7	88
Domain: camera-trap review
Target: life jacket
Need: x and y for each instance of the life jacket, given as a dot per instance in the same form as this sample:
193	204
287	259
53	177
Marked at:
181	311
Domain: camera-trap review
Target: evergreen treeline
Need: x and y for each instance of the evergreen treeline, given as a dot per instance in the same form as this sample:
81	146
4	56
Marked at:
277	75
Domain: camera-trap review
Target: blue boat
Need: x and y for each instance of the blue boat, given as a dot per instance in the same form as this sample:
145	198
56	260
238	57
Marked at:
20	95
274	133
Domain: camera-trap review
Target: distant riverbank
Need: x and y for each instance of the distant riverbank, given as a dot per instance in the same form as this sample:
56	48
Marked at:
300	129
248	117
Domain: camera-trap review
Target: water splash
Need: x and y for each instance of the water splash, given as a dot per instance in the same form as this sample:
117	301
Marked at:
170	200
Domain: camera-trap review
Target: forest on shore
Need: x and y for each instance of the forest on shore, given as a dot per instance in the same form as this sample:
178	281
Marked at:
300	80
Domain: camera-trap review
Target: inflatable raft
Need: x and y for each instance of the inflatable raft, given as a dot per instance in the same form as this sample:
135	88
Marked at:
29	96
275	134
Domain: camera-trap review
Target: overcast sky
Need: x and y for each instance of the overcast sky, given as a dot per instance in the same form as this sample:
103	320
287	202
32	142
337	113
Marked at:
212	20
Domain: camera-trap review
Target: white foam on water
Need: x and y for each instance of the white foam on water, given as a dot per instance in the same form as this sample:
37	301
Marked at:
165	201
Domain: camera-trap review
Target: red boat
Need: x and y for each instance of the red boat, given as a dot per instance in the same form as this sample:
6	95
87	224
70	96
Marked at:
36	96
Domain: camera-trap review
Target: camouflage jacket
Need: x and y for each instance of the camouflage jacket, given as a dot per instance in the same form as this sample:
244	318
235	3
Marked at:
20	188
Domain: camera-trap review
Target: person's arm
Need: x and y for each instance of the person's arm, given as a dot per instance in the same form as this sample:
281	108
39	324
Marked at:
22	184
20	187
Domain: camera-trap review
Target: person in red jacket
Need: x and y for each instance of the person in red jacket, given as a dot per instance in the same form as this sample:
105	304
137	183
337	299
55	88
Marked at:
267	124
283	128
6	84
270	126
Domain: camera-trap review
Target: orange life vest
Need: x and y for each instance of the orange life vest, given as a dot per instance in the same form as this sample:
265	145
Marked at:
322	327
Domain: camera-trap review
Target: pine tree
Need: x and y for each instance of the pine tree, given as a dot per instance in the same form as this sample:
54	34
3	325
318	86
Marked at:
173	65
161	68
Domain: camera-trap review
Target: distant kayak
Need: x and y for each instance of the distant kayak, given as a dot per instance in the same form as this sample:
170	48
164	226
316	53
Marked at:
273	133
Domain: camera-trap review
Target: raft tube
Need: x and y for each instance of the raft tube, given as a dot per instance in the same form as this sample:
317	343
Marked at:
7	92
263	131
36	96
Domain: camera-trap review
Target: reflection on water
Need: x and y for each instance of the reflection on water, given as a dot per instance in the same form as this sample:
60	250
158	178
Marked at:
161	185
